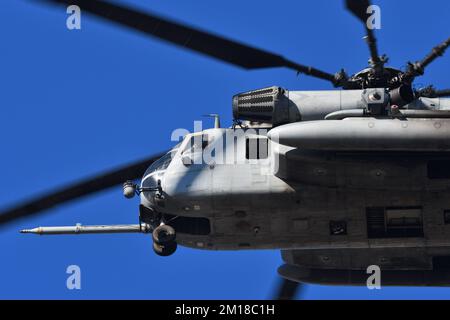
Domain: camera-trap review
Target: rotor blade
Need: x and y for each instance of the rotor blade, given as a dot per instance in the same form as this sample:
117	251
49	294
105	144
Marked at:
78	190
442	93
431	92
359	9
435	52
418	68
211	45
288	290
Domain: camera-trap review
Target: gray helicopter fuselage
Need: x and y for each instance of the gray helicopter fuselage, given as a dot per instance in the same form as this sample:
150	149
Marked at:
289	199
332	210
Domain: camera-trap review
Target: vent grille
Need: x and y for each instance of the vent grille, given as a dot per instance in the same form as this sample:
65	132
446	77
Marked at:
257	92
375	222
257	105
394	222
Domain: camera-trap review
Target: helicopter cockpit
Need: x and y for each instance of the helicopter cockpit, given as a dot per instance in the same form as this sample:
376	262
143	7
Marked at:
191	154
156	171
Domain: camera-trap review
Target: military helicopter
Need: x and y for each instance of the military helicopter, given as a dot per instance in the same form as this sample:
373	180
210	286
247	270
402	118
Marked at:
338	179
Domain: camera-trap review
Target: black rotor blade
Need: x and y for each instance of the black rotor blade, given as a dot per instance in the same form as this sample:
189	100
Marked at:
288	290
359	9
431	92
200	41
418	68
78	190
442	93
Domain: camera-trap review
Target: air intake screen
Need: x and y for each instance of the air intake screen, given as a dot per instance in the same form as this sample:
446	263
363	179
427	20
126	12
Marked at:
262	105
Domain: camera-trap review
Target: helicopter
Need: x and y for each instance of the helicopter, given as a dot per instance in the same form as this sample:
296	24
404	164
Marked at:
336	179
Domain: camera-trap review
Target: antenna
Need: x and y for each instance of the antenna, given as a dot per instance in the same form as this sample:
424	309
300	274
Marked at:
216	119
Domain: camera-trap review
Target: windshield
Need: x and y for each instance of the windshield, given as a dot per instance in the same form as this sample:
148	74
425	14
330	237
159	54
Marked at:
160	164
163	162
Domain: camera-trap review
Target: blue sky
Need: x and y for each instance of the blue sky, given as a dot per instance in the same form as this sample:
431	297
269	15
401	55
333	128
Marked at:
74	103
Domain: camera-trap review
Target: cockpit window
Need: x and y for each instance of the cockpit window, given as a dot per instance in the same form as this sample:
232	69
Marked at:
162	163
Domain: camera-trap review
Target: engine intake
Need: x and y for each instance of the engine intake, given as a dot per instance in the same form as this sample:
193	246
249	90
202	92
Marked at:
269	105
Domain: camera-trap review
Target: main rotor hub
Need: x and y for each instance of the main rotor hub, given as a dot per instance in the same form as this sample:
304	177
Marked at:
368	78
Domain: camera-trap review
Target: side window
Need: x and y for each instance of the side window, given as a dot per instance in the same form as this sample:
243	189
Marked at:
256	148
